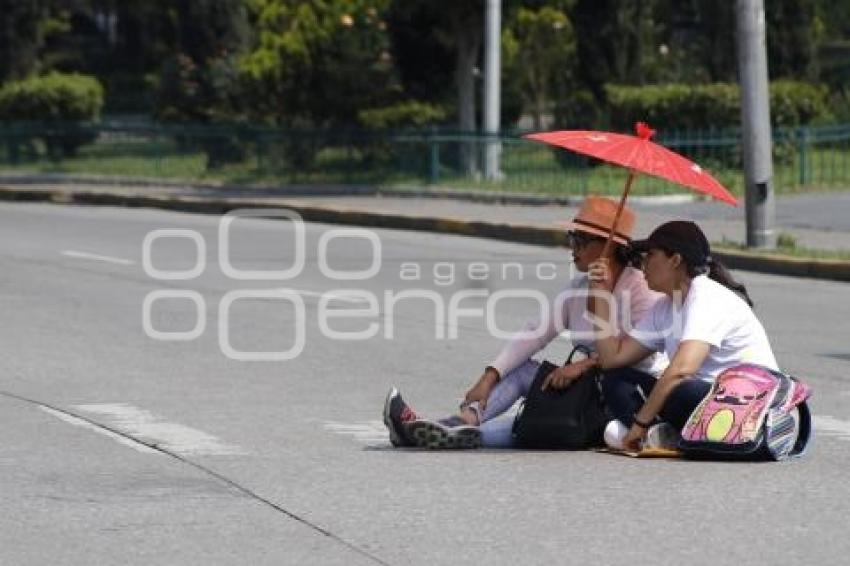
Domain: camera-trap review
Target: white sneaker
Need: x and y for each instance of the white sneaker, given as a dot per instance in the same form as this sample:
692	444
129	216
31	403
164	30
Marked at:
615	432
662	435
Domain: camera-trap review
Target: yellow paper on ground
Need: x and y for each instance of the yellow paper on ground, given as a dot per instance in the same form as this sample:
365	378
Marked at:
646	453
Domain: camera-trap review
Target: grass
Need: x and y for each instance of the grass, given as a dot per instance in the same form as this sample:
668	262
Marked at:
527	167
786	246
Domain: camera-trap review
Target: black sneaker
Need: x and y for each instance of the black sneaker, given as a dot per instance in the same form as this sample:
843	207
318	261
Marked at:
396	414
450	433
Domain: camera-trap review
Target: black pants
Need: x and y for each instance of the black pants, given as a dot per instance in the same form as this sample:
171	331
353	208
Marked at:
622	389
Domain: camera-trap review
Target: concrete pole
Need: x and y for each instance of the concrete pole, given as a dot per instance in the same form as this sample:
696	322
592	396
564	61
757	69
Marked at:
492	86
755	124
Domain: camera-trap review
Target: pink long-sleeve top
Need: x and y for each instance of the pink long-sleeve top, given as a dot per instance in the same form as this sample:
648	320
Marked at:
568	312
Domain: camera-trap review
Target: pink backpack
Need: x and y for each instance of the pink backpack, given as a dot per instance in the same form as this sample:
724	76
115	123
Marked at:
751	412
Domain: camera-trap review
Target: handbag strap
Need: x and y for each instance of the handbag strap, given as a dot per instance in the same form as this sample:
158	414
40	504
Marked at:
578	348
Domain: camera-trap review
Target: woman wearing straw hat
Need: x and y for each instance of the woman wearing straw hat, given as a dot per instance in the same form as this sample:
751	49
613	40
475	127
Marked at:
509	376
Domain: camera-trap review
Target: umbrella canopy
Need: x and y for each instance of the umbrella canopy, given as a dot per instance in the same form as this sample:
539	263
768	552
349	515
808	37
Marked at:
640	155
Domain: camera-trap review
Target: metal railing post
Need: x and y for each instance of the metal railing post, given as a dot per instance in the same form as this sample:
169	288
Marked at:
802	137
260	142
434	165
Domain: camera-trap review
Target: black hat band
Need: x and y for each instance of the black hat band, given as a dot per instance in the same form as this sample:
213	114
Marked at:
600	227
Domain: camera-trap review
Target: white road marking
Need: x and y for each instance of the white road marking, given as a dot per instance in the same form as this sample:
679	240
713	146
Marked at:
97	257
368	432
87	425
341	296
831	426
152	429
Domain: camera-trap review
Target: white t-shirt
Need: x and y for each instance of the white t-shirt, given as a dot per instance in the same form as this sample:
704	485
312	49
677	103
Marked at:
568	312
710	313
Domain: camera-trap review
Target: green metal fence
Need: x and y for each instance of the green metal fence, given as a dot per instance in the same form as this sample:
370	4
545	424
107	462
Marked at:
804	158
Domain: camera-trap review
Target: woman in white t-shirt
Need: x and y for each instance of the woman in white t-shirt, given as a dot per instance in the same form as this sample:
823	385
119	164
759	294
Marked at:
705	324
509	376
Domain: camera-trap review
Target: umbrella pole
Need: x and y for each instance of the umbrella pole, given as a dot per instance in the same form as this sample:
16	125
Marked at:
609	242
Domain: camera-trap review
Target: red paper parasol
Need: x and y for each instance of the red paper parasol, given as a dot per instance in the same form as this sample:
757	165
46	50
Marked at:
639	155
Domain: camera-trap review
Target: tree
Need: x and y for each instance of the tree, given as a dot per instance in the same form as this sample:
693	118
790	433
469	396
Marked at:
614	39
422	51
200	82
540	52
700	39
793	35
451	32
466	25
317	62
24	25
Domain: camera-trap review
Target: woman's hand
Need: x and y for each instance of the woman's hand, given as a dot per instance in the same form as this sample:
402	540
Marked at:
634	439
599	275
562	377
480	392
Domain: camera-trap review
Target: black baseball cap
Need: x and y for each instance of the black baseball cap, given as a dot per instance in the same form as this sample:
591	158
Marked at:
678	236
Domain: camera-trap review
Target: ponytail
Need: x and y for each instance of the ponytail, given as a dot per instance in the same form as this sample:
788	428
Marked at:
718	272
625	256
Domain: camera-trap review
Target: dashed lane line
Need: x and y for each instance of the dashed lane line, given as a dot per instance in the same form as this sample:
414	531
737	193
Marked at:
277	507
367	432
153	429
831	426
70	419
96	257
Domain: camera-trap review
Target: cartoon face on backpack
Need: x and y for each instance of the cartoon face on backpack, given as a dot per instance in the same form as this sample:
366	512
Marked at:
732	412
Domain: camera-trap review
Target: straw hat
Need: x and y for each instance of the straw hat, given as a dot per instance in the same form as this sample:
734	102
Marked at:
596	216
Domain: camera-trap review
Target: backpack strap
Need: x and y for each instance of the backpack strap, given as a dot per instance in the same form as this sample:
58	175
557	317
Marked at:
797	398
800	396
804	433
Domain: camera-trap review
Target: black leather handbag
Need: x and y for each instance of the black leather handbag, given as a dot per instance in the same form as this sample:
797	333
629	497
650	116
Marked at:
573	418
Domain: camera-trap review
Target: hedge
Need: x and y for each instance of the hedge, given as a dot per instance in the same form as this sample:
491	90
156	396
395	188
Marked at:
62	99
407	114
711	106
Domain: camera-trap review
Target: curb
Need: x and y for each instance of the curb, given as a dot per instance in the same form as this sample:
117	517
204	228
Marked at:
147	182
326	214
488	197
835	270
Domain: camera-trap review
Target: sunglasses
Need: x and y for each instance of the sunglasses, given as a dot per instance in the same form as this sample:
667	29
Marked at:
576	240
641	256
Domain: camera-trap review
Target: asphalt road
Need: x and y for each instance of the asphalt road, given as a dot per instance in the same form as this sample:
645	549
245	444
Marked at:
119	448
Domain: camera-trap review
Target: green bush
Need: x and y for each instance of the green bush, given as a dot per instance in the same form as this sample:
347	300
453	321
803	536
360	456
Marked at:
702	109
578	111
796	104
672	106
60	103
52	97
711	106
410	113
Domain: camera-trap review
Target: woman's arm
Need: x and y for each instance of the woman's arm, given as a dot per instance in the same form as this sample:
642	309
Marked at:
534	336
614	351
688	359
618	352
